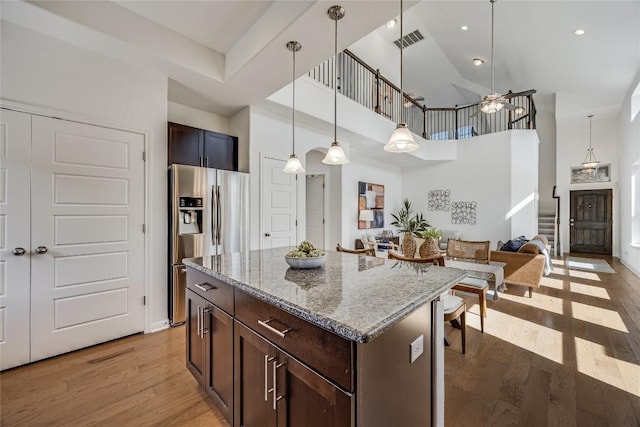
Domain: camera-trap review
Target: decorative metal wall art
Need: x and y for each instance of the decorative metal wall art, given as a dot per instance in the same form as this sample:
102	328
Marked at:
439	200
463	212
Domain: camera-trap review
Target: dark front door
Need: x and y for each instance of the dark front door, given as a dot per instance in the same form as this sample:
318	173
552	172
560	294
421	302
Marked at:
590	221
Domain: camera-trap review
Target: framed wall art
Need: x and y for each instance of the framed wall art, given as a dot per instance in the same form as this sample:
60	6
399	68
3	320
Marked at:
370	205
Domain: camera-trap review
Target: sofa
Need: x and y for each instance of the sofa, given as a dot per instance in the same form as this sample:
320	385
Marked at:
525	267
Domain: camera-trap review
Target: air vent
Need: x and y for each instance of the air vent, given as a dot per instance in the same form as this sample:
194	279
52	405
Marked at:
410	39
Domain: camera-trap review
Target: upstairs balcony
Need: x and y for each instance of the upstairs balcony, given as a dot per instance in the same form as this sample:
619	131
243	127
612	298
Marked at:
366	86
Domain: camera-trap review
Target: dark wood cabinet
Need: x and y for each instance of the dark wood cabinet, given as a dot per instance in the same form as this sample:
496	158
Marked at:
195	342
272	388
209	355
198	147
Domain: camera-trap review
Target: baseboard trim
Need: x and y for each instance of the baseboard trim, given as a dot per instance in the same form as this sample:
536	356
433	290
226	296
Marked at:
159	326
626	264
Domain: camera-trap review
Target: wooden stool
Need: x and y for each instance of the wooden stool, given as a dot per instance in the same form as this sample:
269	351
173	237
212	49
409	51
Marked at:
455	307
479	287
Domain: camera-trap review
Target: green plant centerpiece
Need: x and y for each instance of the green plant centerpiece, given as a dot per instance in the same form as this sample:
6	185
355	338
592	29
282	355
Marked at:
305	256
409	224
431	245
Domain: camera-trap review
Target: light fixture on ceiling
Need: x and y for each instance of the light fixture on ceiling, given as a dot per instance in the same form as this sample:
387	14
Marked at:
391	23
478	61
519	110
293	164
578	32
494	102
335	155
464	28
590	161
401	140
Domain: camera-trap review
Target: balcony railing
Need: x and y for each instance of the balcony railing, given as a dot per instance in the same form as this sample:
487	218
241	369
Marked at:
365	85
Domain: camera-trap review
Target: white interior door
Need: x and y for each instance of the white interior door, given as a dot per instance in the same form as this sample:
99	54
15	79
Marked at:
15	158
87	215
278	205
315	210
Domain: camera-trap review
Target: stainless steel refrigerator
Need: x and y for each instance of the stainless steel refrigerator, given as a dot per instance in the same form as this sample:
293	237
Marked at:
208	215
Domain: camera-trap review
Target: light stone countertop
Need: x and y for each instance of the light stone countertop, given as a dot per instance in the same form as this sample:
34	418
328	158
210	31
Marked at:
356	297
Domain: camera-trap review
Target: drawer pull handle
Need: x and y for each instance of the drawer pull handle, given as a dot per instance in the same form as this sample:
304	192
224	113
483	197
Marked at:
205	287
265	323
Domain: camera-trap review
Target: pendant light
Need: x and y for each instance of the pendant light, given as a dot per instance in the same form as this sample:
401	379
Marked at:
495	102
590	161
401	140
335	155
293	164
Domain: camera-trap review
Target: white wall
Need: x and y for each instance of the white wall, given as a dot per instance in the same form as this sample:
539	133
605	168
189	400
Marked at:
196	118
43	72
546	127
333	186
239	126
484	173
270	136
629	161
572	133
375	173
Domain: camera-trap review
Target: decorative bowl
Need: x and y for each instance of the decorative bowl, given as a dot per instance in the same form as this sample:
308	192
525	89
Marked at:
302	263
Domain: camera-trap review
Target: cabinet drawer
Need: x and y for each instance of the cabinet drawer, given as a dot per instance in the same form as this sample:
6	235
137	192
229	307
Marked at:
327	353
211	289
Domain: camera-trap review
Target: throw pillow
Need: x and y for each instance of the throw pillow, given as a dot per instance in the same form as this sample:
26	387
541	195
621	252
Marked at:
514	244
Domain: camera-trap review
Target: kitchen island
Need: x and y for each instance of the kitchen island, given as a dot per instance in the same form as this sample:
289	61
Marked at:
358	342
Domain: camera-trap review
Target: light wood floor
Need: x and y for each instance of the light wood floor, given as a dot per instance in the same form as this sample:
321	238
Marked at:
569	356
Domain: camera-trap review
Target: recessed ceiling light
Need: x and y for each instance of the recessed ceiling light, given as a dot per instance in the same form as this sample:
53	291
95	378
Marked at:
478	62
391	23
464	28
578	32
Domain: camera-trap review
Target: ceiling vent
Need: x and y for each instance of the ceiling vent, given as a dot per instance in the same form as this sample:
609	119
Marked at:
410	39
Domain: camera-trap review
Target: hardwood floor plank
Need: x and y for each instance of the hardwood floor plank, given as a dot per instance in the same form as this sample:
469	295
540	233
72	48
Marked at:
535	402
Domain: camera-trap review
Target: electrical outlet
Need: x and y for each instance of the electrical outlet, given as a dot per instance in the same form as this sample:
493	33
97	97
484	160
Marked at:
417	348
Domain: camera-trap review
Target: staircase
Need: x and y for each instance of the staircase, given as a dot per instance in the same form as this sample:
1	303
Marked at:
546	225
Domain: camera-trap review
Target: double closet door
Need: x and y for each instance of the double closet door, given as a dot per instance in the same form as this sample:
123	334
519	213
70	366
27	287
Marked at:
72	249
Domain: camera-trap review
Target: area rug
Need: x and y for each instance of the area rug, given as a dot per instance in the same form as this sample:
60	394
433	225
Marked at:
588	264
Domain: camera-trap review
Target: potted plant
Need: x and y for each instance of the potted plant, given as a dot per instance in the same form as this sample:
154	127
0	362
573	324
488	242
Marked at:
410	225
431	245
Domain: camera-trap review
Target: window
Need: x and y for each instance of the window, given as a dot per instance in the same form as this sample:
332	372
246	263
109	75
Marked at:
462	132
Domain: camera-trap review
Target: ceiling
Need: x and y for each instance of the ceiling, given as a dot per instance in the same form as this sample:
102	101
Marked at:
221	56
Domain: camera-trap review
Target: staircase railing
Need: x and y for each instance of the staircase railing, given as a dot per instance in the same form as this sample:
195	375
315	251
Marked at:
556	228
367	86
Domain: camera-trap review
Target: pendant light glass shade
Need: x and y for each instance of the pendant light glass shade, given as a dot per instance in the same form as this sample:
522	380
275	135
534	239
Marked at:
293	164
335	155
590	161
401	140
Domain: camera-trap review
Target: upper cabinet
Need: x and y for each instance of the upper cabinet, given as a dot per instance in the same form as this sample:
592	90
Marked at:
198	147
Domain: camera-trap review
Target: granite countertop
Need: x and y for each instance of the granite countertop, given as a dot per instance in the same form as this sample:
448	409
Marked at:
356	297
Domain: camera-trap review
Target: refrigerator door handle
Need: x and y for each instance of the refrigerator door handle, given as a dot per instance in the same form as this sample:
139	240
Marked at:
219	217
214	215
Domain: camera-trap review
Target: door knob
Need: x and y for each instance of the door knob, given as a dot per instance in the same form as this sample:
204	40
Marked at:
267	234
19	251
41	250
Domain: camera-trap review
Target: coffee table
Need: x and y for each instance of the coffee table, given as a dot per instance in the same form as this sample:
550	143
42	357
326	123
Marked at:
492	272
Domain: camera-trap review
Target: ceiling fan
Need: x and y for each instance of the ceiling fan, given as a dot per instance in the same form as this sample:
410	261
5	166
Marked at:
494	102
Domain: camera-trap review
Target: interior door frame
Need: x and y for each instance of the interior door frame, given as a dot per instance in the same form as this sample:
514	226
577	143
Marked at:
614	241
63	115
324	205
